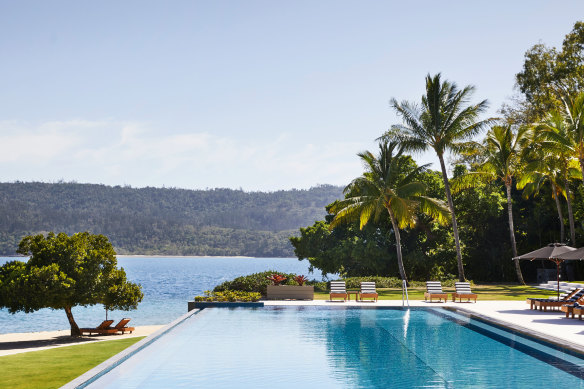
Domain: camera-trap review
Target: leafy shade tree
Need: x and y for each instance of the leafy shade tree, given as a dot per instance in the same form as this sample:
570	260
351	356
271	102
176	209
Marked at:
549	73
501	159
345	250
66	271
444	122
389	186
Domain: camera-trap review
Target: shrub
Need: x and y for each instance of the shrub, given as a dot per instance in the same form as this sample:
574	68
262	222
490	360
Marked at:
257	282
229	296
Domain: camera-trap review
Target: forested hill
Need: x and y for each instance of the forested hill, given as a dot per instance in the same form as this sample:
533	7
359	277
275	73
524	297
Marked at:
164	221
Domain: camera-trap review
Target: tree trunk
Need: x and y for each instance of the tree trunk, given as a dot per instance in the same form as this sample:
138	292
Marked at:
570	213
400	262
75	331
560	213
582	166
454	225
512	233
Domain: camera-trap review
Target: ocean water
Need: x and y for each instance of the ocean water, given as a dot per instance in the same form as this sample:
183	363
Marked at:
167	282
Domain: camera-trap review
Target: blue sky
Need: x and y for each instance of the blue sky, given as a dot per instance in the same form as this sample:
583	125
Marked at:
259	95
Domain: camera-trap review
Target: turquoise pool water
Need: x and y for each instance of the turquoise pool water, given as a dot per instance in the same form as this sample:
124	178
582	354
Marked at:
315	347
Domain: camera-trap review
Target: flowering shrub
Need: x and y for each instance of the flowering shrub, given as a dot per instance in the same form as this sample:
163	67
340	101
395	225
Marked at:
257	282
276	278
300	280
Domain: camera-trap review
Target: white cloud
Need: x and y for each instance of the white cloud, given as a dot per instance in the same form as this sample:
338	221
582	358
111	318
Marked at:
116	153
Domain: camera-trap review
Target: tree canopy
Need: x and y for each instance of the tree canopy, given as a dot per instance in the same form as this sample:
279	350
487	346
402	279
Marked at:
66	271
163	221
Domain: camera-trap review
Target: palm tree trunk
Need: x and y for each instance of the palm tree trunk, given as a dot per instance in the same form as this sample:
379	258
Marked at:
454	225
75	331
560	213
512	233
400	262
570	212
582	166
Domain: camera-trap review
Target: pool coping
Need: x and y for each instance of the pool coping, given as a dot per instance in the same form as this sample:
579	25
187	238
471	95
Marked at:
526	332
101	369
110	363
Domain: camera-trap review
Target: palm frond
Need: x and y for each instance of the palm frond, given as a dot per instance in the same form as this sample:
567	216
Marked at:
435	208
470	180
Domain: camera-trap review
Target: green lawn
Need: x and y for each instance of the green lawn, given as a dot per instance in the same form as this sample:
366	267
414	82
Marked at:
485	292
54	368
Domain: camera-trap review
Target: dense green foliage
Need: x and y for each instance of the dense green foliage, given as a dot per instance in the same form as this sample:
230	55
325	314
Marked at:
550	73
66	271
162	221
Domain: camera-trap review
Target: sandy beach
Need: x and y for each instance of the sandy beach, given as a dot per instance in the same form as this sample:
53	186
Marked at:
33	341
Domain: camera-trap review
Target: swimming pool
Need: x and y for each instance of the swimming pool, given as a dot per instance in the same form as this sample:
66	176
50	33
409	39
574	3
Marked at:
316	347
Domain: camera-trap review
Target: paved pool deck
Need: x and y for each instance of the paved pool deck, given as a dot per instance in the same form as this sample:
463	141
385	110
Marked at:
550	326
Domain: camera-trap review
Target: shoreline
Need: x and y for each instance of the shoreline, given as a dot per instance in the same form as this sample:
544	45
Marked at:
182	256
22	342
172	256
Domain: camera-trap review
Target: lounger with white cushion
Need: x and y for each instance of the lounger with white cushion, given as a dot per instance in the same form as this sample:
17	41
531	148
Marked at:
368	291
434	290
338	289
463	292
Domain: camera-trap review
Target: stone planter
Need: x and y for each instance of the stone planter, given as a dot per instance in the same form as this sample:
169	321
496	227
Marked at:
222	304
290	292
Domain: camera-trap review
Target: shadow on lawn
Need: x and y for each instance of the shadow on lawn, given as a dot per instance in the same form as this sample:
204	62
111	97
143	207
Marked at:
56	341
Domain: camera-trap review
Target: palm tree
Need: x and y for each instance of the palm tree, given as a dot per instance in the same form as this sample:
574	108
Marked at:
541	167
444	122
388	185
574	118
501	159
554	136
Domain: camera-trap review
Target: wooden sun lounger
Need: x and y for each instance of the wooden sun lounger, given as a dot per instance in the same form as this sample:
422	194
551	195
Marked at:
103	328
569	308
121	326
463	291
434	290
578	311
565	297
338	289
544	304
368	291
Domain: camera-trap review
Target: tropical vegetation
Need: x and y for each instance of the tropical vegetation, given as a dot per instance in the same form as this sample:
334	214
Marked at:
390	187
163	221
510	192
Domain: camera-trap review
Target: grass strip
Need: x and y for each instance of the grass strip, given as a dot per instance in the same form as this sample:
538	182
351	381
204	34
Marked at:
55	367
